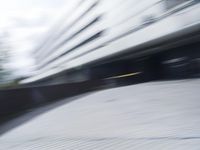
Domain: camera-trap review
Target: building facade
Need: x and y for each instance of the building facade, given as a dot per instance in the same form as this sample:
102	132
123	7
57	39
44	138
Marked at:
97	31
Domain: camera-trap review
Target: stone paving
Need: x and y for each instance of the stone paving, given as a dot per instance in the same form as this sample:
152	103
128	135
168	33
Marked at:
149	116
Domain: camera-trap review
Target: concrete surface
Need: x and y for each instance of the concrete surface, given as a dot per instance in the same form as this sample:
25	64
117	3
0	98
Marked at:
149	116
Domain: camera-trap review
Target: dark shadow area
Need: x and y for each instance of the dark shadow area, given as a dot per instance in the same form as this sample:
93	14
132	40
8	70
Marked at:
15	120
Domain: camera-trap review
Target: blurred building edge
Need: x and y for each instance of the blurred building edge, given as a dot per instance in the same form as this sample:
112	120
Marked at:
103	39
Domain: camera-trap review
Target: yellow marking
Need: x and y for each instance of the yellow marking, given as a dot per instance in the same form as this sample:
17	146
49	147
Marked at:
125	75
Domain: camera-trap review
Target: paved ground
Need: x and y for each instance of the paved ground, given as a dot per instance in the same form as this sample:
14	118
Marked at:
149	116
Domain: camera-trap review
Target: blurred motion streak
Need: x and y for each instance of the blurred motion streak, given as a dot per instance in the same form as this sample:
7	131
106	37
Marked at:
98	41
76	47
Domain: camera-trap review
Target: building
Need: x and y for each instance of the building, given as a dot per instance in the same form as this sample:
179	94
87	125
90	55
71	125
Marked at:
98	32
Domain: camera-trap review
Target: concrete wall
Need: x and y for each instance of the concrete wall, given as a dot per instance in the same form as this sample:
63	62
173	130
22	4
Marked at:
15	100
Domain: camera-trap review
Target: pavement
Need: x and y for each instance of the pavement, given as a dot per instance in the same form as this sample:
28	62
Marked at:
147	116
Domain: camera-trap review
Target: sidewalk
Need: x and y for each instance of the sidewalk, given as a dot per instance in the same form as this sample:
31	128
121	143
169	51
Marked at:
149	116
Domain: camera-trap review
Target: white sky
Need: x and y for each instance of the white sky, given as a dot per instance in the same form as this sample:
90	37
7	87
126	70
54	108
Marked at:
27	22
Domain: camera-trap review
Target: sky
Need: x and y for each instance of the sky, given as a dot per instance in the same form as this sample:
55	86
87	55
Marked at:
26	22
